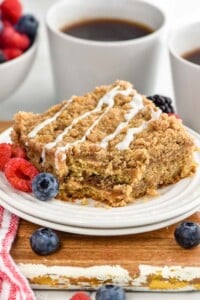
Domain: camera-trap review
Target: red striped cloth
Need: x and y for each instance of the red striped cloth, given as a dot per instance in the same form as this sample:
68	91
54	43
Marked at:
13	285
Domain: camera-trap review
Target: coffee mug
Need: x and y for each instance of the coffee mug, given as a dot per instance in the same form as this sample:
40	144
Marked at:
185	74
80	64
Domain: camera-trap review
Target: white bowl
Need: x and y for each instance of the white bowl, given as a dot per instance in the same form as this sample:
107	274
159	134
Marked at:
13	72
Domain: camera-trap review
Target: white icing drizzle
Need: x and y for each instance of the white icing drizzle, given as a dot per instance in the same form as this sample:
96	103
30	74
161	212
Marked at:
46	122
108	99
136	105
132	131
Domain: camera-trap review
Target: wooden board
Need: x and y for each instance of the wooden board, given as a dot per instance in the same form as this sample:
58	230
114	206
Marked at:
4	125
134	253
150	260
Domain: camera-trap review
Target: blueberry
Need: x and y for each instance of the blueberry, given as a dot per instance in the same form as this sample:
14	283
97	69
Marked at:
187	235
110	292
44	241
2	57
28	24
45	186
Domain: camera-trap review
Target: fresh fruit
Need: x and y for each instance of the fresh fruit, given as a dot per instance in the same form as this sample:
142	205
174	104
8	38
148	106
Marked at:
11	10
44	241
17	31
11	53
17	151
45	186
163	102
27	24
21	41
6	36
8	151
175	115
10	38
110	292
187	235
2	57
1	26
80	296
20	173
5	154
6	23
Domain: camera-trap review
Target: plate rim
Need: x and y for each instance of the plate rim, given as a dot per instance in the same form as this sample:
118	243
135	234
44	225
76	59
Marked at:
97	231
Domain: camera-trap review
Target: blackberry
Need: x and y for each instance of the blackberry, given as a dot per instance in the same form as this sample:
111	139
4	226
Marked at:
163	102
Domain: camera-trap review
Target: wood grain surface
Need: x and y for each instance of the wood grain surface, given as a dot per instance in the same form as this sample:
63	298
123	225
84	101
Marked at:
157	248
4	125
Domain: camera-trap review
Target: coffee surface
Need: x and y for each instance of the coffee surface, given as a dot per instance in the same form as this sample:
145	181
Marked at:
107	30
193	56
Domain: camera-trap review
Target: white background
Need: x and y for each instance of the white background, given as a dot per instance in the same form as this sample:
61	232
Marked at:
37	94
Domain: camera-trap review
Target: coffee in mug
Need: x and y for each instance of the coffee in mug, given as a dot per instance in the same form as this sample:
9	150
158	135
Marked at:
193	56
82	62
106	29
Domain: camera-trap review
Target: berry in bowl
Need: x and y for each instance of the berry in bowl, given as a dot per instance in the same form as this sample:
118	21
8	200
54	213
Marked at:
18	45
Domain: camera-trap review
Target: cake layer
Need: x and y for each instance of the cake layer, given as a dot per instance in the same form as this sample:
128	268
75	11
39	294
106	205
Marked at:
112	144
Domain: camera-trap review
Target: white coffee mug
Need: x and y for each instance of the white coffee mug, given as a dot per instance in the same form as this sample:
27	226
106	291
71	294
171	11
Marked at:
185	74
79	65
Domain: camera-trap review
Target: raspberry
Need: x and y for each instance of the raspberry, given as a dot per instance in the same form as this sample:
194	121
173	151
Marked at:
10	38
6	36
3	58
6	23
80	296
1	26
20	173
175	115
11	10
11	53
8	151
18	152
5	154
21	41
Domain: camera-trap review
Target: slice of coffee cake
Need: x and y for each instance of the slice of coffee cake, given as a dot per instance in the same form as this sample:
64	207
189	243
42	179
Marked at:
112	145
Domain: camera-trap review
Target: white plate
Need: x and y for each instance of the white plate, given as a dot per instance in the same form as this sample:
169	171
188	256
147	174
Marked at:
174	201
95	231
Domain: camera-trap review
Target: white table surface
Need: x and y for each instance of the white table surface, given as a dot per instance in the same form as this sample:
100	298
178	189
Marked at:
37	94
